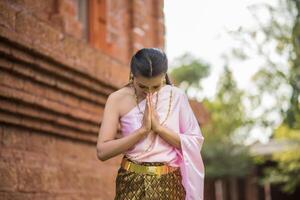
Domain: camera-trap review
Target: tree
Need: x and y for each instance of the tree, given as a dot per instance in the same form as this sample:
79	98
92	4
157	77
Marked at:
287	171
270	42
222	156
293	113
276	41
188	71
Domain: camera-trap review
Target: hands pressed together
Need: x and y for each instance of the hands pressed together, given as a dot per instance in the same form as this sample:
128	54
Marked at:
150	118
151	125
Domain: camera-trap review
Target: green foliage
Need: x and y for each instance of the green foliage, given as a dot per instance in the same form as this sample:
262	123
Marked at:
190	70
270	40
225	159
287	171
222	157
276	41
227	110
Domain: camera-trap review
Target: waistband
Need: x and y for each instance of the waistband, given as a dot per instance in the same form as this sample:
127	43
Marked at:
143	169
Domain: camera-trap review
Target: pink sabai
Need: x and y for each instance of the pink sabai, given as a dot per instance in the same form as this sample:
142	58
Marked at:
183	122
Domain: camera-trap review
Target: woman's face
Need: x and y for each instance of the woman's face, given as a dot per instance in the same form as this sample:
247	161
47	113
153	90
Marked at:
148	85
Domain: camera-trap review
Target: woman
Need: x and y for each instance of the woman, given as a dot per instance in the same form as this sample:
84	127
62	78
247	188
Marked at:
161	139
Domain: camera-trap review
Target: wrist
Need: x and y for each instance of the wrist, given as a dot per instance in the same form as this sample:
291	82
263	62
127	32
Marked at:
159	129
142	131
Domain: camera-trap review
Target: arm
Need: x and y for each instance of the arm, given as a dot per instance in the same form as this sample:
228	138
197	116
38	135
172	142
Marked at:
107	145
187	122
169	136
165	133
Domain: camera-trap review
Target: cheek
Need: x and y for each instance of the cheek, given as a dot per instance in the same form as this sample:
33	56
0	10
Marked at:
156	89
143	91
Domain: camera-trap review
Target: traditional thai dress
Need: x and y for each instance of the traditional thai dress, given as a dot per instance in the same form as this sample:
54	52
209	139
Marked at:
186	181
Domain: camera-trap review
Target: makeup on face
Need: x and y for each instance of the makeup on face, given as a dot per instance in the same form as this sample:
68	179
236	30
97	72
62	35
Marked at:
147	85
143	87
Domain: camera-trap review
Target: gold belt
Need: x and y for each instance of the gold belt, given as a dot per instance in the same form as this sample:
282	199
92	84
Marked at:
153	170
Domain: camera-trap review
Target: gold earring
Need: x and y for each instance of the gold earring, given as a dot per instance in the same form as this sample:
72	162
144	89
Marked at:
131	78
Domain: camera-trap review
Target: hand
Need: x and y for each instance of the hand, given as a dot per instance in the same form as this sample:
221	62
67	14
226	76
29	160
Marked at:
146	126
155	124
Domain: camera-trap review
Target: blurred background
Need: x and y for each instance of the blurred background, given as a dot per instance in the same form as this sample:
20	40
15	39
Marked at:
238	61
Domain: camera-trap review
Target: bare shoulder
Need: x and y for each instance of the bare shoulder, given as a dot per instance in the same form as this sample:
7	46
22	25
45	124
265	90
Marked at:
120	99
121	93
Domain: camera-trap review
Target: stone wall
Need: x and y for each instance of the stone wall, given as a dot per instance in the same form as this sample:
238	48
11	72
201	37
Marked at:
53	87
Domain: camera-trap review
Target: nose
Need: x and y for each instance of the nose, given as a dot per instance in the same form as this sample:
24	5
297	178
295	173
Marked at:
147	90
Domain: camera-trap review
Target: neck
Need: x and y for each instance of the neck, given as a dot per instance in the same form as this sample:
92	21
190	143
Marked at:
141	95
138	93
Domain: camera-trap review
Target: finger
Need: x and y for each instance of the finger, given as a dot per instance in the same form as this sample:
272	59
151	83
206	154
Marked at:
148	104
150	99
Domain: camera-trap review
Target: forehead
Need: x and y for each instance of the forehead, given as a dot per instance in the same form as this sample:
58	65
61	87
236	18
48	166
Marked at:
150	81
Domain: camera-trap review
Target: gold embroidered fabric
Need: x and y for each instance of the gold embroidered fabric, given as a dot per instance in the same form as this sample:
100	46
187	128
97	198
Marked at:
136	186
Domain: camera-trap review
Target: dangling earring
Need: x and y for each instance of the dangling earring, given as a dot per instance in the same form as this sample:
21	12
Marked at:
164	81
131	78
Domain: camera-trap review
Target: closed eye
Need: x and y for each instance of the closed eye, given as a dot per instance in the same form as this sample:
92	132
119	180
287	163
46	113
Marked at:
143	87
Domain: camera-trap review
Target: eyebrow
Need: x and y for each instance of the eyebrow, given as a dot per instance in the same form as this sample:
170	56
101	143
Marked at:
147	86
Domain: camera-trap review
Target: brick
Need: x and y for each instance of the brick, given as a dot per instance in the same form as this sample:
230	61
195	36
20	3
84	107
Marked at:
22	56
22	158
29	196
69	46
30	179
8	177
27	141
14	37
67	7
7	15
46	103
68	80
73	27
39	144
87	57
7	79
65	19
13	139
40	34
4	49
15	196
1	135
41	9
5	64
26	25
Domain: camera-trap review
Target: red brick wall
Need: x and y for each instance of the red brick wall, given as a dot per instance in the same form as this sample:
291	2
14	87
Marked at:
53	86
120	28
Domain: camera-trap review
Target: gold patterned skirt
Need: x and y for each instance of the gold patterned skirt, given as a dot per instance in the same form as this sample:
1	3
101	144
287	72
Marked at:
131	185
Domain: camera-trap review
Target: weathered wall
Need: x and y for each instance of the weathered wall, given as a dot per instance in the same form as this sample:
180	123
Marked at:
53	86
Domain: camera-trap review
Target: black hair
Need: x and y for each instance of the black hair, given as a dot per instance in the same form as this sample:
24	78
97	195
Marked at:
150	62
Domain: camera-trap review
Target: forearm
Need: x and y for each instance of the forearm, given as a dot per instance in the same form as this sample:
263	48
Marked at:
169	136
112	148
